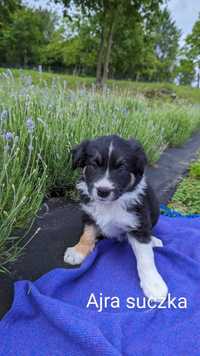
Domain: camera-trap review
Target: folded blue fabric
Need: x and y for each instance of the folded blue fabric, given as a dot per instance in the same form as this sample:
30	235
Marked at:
60	313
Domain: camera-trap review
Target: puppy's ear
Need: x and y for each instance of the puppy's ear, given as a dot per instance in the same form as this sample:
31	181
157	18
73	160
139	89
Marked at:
79	155
139	156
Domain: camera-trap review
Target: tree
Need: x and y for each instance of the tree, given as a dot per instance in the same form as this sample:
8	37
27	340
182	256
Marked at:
109	14
185	71
53	51
192	48
24	39
166	46
7	9
80	47
133	53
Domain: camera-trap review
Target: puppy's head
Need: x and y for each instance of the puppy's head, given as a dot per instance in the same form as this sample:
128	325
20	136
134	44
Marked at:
110	166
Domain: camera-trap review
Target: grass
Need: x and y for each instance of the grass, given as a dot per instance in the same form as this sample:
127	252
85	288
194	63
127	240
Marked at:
40	120
150	90
187	197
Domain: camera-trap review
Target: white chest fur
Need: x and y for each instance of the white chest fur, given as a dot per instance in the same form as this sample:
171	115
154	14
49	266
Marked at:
112	217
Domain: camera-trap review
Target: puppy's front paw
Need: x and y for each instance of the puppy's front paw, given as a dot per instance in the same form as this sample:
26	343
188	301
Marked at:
156	242
154	287
73	257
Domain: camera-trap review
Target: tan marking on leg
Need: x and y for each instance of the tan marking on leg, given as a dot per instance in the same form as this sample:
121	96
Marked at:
87	240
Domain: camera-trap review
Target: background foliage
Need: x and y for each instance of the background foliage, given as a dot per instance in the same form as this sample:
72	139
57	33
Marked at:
134	40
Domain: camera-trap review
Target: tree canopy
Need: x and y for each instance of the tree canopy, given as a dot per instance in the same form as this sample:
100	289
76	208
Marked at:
189	68
122	39
25	36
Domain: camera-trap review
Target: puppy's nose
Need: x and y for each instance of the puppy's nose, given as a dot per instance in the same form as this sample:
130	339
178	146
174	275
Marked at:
103	192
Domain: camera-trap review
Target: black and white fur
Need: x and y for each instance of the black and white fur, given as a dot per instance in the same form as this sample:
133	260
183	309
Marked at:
117	198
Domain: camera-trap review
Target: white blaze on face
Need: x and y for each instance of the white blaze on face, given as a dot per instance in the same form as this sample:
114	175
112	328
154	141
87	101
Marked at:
105	181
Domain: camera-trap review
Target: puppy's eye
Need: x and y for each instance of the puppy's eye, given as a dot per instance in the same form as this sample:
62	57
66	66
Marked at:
95	163
119	165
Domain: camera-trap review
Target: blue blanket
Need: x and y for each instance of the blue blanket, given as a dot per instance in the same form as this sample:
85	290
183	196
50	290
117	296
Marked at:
60	314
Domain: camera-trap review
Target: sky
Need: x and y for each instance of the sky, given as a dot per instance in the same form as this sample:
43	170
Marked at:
184	12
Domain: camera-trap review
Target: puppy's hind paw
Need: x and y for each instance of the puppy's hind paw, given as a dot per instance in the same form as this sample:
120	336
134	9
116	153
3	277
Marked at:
73	257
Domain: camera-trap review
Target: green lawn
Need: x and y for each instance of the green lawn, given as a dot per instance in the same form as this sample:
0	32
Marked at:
41	118
152	90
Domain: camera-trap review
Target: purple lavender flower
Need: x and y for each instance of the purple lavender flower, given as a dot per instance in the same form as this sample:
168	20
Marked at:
42	121
30	147
124	111
7	147
4	115
30	125
8	136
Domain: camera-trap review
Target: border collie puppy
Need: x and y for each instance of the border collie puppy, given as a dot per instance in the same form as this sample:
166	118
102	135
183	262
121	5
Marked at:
118	202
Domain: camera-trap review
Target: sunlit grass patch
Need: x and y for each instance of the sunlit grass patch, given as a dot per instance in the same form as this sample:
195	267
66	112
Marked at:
187	197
